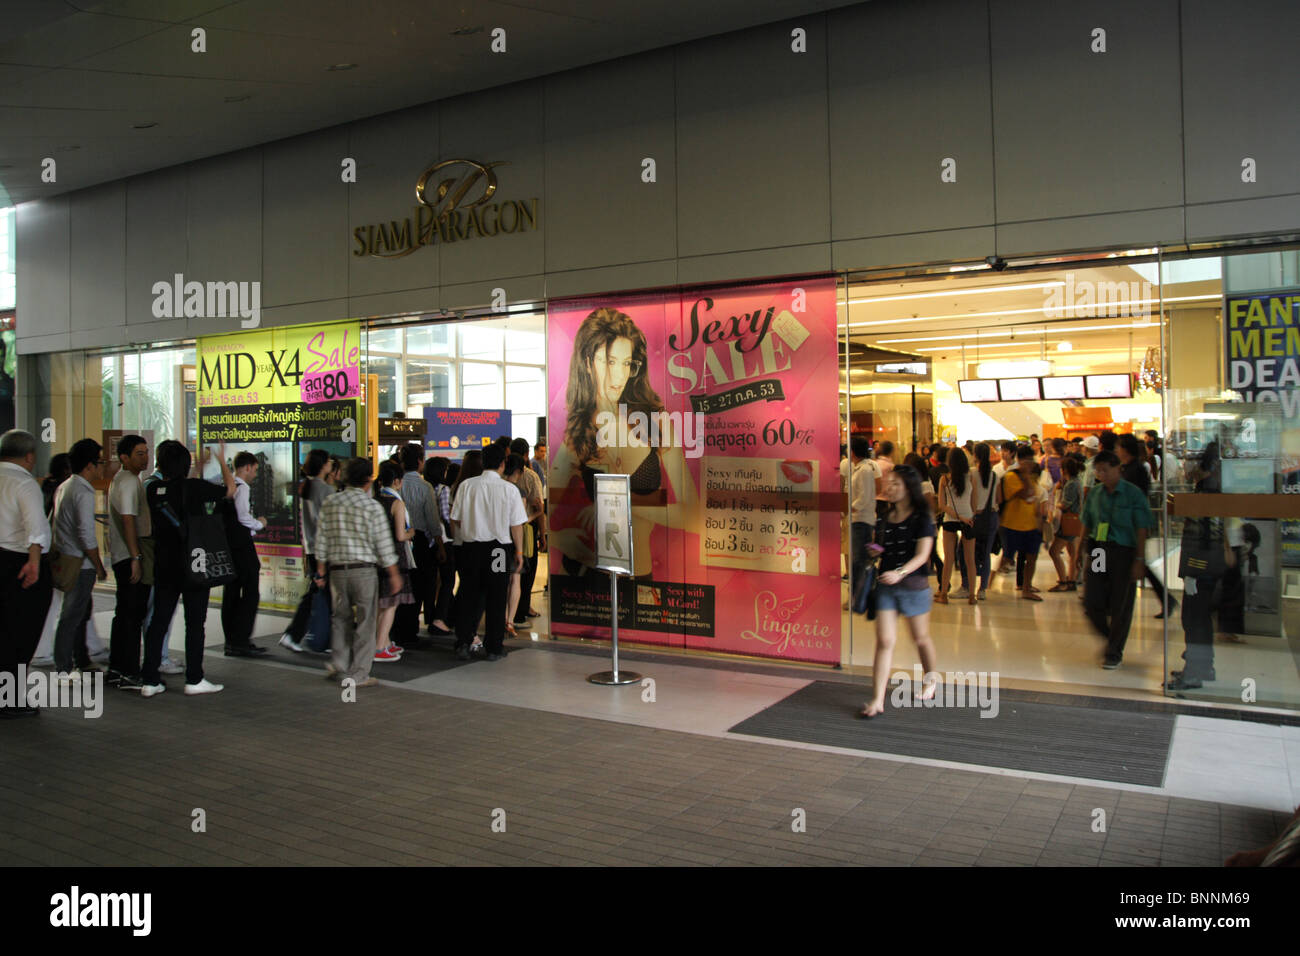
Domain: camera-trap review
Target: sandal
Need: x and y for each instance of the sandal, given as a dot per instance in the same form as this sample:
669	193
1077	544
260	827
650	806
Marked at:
1030	596
866	712
510	629
1060	586
940	597
972	599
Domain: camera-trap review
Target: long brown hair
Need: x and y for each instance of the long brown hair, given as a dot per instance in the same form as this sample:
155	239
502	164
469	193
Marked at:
471	467
601	329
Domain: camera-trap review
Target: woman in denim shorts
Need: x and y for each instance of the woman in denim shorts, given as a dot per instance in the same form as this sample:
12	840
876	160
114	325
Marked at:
907	535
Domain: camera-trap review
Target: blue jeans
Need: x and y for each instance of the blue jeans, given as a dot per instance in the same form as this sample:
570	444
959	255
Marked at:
70	633
984	551
167	633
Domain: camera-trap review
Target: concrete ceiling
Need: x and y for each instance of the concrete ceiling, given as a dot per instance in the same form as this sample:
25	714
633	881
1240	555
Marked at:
77	78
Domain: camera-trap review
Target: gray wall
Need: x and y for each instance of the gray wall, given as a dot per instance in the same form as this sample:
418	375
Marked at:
769	163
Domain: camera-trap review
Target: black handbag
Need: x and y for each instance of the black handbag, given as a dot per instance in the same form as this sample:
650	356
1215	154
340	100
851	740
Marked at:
204	531
864	598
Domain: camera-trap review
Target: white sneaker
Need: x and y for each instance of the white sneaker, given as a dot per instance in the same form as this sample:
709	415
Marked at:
171	667
71	677
204	686
289	642
960	593
151	690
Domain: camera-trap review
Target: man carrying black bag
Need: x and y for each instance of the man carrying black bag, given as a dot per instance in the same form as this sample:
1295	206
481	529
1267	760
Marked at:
862	513
186	535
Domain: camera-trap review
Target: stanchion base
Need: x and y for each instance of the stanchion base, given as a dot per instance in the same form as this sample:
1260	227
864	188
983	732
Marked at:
609	677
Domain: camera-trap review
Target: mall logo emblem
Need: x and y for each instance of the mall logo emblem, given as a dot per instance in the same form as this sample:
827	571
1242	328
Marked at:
456	201
199	300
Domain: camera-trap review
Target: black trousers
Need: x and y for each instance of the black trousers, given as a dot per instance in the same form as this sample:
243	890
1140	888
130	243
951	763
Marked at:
196	616
239	600
22	611
484	588
297	628
526	578
1108	595
128	621
444	604
1198	630
406	620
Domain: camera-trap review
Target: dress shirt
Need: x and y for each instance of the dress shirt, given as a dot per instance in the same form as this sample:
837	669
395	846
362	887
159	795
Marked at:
884	466
242	511
354	529
487	507
421	510
74	519
22	510
862	501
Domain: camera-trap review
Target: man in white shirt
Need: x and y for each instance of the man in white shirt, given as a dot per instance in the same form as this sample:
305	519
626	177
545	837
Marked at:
25	588
488	516
129	524
75	538
240	597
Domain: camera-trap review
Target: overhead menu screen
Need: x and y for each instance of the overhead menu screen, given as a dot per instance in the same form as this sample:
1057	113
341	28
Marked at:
978	389
1109	386
1019	389
1065	387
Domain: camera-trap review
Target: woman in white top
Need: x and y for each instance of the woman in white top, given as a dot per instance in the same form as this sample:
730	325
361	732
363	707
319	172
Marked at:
957	503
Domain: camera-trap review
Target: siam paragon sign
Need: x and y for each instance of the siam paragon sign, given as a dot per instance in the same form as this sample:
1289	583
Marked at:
456	201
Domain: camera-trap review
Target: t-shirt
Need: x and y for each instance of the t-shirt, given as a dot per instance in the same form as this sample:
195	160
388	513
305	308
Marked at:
1019	513
900	541
126	497
169	503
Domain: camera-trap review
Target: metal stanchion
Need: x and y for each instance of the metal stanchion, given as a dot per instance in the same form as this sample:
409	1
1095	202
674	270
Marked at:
614	676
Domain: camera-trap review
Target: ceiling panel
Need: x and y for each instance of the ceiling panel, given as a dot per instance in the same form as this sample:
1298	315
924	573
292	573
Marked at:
84	75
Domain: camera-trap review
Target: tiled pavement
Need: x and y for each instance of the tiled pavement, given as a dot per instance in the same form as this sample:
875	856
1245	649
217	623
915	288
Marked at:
286	773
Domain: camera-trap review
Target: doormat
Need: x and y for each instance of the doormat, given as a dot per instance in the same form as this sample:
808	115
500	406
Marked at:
1091	742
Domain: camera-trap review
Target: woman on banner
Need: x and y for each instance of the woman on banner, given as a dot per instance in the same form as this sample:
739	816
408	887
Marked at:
907	535
608	370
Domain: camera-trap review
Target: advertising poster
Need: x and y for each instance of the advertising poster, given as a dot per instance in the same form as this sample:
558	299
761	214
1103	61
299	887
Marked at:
721	407
278	393
453	431
8	373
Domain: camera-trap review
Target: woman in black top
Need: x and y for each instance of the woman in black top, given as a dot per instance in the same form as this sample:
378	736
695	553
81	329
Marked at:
170	500
907	535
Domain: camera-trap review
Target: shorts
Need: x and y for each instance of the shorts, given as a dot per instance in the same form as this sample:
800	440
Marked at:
1021	542
967	531
904	600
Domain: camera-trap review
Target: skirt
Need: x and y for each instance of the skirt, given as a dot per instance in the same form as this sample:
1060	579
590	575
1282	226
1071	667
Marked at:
404	596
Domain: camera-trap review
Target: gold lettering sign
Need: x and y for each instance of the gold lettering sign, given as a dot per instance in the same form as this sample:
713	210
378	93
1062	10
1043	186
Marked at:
454	204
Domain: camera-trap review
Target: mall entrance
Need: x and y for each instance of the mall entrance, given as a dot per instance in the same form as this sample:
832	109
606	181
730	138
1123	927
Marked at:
1131	343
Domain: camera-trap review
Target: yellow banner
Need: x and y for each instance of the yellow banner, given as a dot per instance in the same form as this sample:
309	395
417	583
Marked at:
312	364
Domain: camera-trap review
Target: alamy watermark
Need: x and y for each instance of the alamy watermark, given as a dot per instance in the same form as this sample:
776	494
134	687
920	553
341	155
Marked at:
685	430
37	688
199	300
955	689
1083	298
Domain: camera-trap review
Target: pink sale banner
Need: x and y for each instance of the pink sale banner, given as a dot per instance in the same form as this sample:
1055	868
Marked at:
722	407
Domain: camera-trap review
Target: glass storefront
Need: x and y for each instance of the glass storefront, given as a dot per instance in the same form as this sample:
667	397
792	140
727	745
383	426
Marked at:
917	353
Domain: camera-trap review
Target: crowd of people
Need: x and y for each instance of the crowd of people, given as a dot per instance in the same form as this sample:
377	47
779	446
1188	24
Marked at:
457	542
1088	500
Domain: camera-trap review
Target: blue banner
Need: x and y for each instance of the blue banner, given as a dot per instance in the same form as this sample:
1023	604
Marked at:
453	431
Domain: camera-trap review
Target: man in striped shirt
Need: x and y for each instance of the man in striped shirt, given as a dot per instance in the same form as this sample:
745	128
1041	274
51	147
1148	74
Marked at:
427	546
353	538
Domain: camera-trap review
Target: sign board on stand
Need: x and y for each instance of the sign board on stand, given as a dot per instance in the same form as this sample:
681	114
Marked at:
613	509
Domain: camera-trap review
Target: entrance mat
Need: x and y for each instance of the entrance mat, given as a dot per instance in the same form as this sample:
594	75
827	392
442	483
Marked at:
1095	743
434	656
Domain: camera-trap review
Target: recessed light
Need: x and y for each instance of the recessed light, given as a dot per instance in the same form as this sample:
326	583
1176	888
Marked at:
65	149
467	31
340	67
239	99
143	125
1064	346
